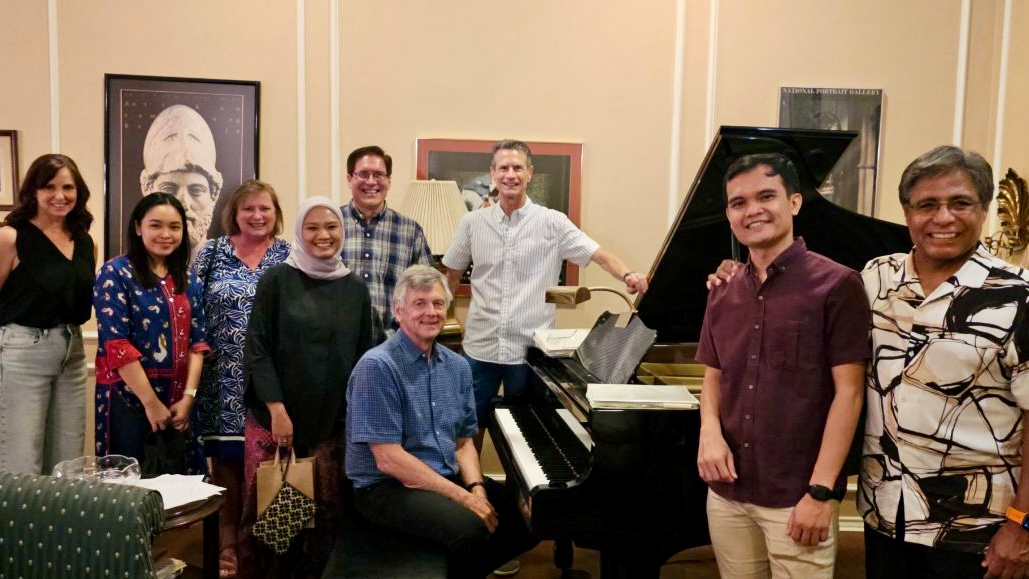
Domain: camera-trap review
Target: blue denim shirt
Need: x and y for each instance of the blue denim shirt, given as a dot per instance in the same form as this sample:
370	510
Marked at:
398	395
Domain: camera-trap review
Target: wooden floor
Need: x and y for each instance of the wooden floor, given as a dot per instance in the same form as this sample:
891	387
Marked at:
696	563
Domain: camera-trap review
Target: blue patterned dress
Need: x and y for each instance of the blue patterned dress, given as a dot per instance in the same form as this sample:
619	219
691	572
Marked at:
229	287
155	326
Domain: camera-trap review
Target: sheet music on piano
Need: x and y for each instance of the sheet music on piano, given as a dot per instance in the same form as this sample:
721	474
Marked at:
559	343
640	396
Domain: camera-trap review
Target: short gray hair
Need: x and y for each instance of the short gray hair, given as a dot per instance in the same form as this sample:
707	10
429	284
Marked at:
511	145
944	160
419	277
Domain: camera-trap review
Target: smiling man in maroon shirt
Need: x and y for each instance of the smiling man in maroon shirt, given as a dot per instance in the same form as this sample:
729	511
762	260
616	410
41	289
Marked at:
785	354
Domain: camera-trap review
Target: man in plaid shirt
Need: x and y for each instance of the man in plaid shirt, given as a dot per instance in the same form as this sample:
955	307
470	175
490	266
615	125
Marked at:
378	242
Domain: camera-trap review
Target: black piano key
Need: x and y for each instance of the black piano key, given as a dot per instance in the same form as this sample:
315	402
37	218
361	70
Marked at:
558	451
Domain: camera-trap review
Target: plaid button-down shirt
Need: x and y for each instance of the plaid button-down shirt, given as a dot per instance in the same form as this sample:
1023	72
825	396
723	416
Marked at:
378	250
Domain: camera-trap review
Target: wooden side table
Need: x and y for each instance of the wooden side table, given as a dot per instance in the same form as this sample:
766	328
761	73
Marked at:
206	510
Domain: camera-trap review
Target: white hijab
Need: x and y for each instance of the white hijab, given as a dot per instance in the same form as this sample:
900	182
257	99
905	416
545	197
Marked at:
299	258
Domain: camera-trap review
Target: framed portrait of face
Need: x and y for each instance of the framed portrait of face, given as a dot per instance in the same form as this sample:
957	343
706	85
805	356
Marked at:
193	138
556	179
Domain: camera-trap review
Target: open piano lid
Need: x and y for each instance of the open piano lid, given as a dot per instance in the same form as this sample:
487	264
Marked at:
700	238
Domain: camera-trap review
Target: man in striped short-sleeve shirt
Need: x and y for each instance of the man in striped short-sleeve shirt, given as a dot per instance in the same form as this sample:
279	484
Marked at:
518	248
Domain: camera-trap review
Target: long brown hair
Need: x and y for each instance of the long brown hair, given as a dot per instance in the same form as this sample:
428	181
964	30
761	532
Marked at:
40	173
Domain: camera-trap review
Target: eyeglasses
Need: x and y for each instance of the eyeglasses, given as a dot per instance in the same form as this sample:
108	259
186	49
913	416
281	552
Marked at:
377	175
930	207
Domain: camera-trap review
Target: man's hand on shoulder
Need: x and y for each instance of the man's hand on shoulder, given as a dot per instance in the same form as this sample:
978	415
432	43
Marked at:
724	273
1007	556
476	502
809	522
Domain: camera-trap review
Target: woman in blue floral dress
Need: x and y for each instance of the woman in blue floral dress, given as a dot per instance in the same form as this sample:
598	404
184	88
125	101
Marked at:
151	328
229	268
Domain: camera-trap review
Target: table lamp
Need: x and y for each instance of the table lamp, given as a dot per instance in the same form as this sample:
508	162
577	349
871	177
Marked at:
438	207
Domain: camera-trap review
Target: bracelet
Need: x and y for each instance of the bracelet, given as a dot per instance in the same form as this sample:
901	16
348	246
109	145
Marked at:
1016	516
472	485
191	392
627	274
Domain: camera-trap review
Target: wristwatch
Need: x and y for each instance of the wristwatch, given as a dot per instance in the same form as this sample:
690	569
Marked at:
1019	517
625	276
820	493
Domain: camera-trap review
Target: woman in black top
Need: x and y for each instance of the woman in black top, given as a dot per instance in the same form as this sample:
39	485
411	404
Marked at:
310	324
47	262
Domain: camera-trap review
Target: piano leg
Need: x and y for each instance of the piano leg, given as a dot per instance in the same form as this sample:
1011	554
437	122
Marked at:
614	567
563	555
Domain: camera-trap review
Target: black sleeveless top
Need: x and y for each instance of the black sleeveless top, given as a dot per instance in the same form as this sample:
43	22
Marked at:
46	288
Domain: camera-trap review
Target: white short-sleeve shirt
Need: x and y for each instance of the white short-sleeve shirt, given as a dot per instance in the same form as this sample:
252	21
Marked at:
516	259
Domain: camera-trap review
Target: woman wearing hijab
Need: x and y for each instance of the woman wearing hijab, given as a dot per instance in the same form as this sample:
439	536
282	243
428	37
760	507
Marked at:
310	324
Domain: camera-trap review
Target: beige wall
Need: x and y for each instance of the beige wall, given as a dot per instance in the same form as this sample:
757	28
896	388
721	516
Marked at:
597	72
1015	150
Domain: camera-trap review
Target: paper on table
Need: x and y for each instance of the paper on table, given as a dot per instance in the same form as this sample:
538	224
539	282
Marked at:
640	396
177	490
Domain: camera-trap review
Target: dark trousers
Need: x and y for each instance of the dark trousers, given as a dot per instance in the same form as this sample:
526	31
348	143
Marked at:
474	552
486	380
893	558
128	429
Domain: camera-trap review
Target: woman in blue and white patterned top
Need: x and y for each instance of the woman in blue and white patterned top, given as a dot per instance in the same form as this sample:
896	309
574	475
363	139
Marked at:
229	268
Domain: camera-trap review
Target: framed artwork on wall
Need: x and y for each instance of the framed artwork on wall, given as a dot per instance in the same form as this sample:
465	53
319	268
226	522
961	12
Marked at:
194	138
8	169
556	179
852	183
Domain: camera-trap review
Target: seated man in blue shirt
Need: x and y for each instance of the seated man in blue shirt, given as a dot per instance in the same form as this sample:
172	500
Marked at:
410	422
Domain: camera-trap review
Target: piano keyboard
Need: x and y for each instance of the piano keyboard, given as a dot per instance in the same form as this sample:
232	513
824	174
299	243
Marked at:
549	447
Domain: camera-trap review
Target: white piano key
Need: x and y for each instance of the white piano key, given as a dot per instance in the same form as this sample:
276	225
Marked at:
529	469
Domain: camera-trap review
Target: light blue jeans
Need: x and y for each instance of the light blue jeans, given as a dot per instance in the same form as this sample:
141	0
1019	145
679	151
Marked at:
42	397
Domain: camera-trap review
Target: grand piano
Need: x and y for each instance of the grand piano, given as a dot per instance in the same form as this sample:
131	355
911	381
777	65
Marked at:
625	482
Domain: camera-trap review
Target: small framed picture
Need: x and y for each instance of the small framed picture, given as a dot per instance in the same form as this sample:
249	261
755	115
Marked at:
8	169
194	138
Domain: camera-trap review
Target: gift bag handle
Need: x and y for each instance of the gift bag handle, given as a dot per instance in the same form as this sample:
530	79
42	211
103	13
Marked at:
284	466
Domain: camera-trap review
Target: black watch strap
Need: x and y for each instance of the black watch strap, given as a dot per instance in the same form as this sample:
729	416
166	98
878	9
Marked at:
472	485
821	493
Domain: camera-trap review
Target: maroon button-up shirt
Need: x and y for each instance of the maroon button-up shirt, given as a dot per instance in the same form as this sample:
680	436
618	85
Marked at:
775	344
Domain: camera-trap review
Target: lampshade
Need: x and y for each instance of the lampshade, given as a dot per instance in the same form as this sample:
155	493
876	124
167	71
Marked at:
437	206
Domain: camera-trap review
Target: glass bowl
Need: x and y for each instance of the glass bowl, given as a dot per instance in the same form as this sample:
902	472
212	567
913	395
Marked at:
111	468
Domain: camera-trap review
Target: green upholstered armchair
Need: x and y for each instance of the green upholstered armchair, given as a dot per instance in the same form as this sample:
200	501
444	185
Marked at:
56	527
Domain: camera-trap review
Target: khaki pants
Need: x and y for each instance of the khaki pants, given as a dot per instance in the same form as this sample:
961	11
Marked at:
750	542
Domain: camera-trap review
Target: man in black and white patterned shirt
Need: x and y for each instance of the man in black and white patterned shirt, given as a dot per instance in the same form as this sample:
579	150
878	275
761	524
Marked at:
943	493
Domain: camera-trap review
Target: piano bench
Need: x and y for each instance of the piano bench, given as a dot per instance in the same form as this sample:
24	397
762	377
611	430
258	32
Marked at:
367	551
